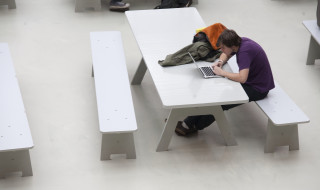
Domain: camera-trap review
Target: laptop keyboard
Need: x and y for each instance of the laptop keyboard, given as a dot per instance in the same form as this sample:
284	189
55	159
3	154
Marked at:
208	71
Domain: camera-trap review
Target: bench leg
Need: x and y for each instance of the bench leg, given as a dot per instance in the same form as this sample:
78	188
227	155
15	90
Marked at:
181	113
281	136
81	5
314	51
121	143
12	4
139	74
14	161
92	72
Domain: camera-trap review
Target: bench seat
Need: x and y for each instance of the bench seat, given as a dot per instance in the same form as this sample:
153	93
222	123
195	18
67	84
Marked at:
283	117
117	120
15	135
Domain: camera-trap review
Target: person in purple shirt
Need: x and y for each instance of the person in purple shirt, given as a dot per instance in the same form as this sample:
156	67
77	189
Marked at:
255	76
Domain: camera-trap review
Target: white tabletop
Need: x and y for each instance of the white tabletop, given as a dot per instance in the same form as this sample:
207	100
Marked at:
313	28
178	86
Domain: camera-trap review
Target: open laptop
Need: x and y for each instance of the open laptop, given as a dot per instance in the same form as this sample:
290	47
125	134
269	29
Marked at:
206	71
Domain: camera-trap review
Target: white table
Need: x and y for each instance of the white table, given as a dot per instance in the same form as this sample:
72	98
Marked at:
181	88
314	46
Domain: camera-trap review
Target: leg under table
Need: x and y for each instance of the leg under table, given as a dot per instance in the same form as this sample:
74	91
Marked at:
179	114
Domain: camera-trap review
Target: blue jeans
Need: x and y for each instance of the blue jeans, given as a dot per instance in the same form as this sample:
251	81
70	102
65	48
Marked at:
202	121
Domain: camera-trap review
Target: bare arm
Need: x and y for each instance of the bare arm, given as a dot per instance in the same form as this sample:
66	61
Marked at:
222	60
241	77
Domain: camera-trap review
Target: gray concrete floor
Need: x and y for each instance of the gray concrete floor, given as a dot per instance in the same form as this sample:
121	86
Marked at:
50	48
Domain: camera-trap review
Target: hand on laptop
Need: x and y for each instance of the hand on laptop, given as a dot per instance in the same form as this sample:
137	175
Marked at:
217	69
218	63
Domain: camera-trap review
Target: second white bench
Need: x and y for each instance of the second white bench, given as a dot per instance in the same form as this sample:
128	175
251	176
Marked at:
11	3
15	135
283	117
117	120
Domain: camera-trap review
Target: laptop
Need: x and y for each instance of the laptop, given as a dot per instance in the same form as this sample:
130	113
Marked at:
206	71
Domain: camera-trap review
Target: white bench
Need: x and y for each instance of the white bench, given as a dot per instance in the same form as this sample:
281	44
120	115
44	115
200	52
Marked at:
81	5
283	117
15	135
114	101
11	3
314	45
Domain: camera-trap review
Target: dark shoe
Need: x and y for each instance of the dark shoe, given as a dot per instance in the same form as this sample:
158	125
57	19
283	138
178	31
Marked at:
189	3
181	131
119	6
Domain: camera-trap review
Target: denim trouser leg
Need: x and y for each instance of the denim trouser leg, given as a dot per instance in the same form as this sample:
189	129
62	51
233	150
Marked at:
200	121
113	1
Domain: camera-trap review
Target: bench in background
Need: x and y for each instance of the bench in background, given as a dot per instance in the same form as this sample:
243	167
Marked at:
15	135
314	45
283	117
117	120
11	3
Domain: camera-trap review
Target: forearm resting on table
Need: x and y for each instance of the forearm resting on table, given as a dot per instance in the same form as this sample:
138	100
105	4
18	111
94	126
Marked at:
238	77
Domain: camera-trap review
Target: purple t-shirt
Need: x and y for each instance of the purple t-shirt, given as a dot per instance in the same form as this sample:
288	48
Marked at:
251	55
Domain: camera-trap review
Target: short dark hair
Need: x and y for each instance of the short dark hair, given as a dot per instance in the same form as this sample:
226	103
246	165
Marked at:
228	38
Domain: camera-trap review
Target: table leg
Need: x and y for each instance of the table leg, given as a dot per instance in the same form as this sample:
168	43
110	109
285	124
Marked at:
314	51
224	127
174	116
139	74
181	113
